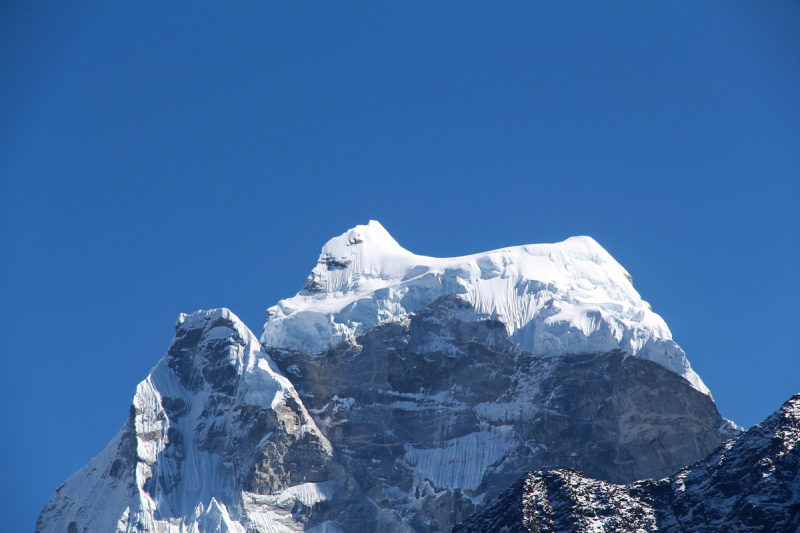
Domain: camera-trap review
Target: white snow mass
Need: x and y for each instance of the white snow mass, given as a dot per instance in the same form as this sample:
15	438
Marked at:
568	297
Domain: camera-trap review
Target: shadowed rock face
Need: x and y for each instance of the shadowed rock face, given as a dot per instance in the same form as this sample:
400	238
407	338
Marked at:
407	428
749	483
437	414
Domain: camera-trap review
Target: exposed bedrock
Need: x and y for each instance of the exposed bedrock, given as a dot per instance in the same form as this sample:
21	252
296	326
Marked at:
409	427
749	483
438	413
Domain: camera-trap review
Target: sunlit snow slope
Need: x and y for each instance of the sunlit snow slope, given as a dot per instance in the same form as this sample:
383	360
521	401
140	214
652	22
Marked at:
217	441
568	297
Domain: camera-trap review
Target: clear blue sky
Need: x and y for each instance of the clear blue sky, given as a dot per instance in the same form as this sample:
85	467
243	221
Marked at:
158	158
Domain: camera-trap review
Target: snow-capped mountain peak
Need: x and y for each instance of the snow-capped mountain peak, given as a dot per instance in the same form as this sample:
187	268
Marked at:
567	297
457	375
372	248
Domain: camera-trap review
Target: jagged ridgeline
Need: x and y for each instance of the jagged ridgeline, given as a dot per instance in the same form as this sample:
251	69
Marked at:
399	393
749	483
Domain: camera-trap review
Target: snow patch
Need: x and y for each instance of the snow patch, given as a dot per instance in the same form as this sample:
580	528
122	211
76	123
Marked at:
461	463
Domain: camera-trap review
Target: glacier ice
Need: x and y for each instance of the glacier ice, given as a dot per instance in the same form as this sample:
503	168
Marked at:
568	297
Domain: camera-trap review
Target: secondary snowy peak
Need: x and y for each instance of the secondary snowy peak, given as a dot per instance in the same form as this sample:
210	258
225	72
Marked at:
568	297
217	441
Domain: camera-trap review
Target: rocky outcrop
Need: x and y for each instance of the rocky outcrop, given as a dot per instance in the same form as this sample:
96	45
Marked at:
749	483
440	412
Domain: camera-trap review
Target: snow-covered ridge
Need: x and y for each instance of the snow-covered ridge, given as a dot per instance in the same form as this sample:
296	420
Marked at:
568	297
177	465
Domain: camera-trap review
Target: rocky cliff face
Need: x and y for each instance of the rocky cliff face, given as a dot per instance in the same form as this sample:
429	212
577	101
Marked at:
749	483
435	414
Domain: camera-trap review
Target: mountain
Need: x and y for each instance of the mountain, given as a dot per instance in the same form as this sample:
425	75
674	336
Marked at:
398	392
749	483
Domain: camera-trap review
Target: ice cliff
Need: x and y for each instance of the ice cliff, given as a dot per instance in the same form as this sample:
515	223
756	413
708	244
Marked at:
569	297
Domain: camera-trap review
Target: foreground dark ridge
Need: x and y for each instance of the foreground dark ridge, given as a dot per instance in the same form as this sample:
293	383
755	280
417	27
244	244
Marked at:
748	484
